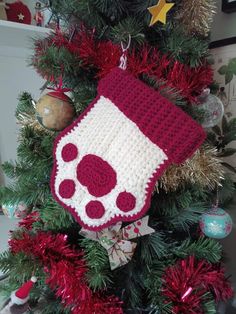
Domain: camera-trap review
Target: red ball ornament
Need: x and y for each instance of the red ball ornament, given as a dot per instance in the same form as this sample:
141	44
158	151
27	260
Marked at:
18	12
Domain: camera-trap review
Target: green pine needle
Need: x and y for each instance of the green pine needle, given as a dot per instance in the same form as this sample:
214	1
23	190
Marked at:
151	247
203	248
54	217
99	274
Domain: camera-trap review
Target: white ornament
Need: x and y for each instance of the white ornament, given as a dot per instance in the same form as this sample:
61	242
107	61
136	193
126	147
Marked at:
213	111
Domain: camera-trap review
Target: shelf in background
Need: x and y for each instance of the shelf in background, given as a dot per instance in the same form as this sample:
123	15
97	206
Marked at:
19	35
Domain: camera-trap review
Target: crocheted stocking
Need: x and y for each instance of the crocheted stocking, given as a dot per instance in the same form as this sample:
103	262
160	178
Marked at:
107	162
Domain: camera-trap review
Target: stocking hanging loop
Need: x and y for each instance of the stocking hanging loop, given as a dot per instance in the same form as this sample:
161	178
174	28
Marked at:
123	58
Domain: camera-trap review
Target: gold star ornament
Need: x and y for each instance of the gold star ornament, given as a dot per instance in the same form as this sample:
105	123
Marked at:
159	11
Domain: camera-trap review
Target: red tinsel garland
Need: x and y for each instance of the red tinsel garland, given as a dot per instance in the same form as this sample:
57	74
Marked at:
66	270
187	282
28	221
105	55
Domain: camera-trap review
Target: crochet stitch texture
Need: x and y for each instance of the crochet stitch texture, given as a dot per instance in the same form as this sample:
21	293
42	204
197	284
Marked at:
107	162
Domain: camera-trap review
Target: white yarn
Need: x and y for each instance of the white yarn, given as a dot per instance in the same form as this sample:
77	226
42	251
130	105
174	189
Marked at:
106	132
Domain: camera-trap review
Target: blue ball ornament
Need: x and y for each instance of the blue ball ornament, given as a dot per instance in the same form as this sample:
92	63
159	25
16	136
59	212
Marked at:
216	223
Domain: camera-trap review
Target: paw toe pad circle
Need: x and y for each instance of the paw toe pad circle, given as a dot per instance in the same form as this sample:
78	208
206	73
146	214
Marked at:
67	188
69	152
126	201
95	209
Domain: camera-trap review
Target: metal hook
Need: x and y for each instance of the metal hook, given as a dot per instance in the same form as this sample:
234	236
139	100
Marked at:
128	45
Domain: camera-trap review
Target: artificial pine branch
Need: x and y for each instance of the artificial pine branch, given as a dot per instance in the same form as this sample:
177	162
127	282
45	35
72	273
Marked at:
28	193
153	283
187	217
19	267
83	94
50	62
74	11
203	247
152	247
53	216
187	50
180	210
24	105
125	28
48	304
111	8
99	274
130	281
173	215
209	304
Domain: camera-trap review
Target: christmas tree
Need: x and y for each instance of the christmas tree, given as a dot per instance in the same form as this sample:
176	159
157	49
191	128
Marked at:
121	181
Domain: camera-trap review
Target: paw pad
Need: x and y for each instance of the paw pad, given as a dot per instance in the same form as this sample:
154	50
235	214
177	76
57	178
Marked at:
97	175
95	209
126	201
69	152
67	188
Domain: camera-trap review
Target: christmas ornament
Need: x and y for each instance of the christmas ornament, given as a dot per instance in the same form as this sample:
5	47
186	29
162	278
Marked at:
39	16
55	110
15	211
65	275
204	168
3	8
9	210
196	16
107	162
18	301
21	210
116	240
159	11
18	12
213	111
21	296
216	223
186	284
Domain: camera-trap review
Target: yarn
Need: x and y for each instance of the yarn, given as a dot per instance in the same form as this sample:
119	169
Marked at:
113	154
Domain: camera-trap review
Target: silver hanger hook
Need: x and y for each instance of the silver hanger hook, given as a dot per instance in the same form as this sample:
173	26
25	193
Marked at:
128	45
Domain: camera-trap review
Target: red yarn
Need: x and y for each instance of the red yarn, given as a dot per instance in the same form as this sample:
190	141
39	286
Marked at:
164	124
66	270
69	152
67	188
95	209
96	174
126	201
161	122
186	283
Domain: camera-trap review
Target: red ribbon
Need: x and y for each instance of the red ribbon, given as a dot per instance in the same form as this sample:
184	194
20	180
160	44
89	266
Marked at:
59	87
